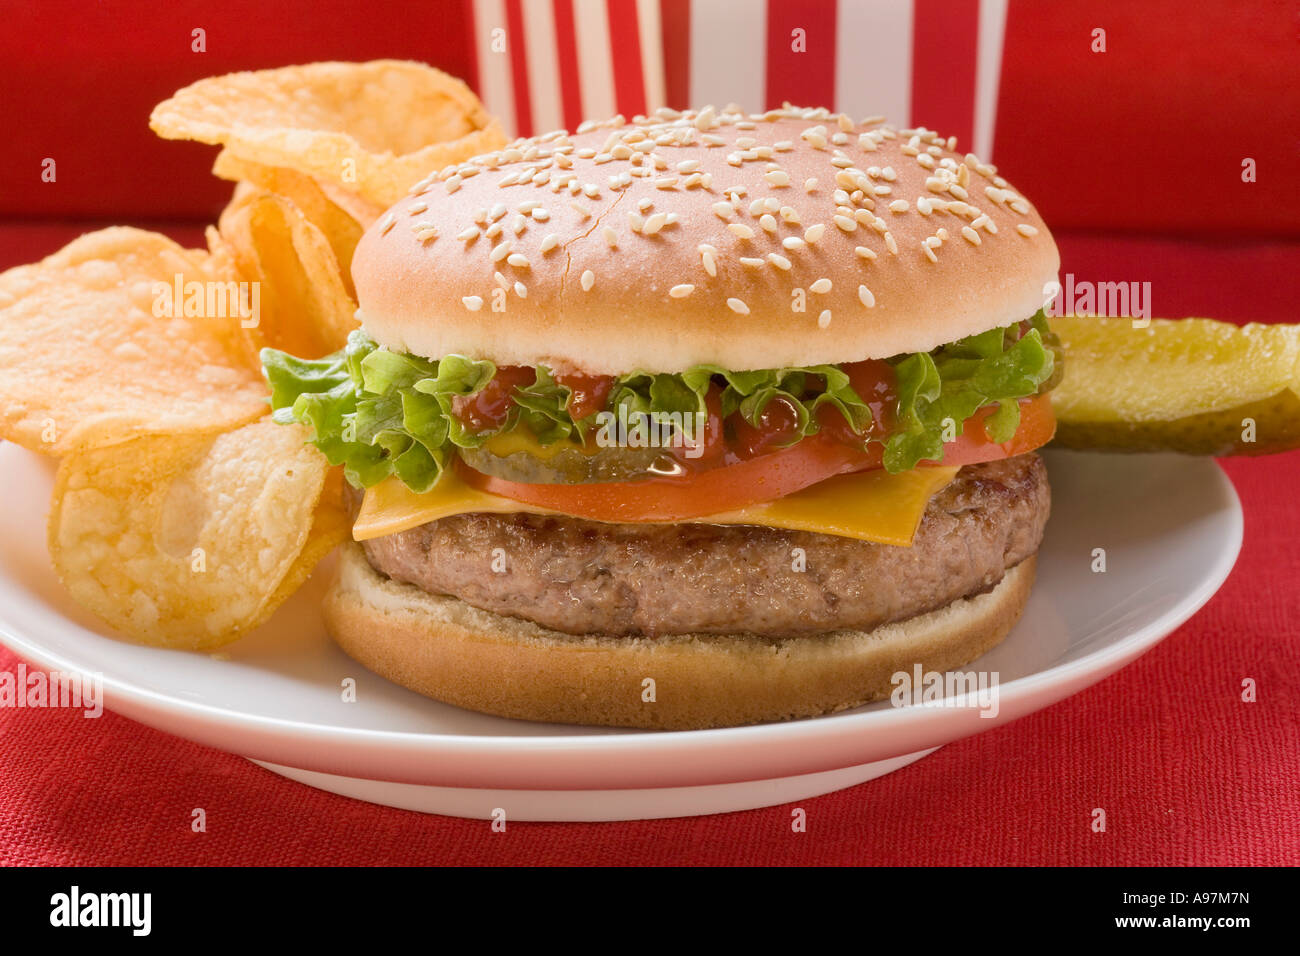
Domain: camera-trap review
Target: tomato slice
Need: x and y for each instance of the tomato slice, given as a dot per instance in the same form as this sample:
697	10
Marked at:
1037	426
765	478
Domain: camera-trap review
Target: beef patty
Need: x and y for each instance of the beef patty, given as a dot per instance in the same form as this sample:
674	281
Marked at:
588	577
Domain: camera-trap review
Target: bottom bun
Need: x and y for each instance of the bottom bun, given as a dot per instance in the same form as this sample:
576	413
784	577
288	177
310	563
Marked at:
453	652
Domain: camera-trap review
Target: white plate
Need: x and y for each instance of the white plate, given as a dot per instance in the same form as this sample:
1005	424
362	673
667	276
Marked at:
1170	526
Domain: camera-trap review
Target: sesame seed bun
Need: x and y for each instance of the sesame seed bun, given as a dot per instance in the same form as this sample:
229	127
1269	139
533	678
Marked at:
444	648
673	264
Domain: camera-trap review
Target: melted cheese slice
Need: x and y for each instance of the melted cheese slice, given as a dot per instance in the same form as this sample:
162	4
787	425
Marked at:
872	506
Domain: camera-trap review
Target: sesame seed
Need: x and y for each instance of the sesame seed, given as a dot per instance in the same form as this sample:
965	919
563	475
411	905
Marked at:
942	234
809	184
1026	230
493	230
655	223
465	235
924	205
501	251
681	291
750	261
971	235
582	211
845	223
418	207
472	302
588	280
1019	206
792	242
645	204
518	260
864	252
781	262
550	242
934	242
929	253
777	177
723	210
611	237
668	182
821	286
521	290
741	230
898	205
737	306
824	320
890	244
768	222
790	214
813	233
387	223
865	296
501	280
498	211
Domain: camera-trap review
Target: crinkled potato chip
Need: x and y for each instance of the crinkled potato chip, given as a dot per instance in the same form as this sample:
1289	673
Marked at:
122	331
304	306
189	541
372	128
339	227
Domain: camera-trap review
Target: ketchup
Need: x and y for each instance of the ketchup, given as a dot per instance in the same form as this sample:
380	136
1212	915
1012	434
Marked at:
488	407
778	423
877	385
588	394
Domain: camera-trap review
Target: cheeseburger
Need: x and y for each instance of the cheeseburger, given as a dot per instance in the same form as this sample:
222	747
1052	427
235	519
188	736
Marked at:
702	419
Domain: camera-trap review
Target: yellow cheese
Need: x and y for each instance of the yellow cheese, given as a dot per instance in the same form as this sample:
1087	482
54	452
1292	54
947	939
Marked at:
871	506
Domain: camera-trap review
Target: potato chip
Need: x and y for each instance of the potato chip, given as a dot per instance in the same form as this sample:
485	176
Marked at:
189	541
340	229
362	210
304	306
119	332
374	128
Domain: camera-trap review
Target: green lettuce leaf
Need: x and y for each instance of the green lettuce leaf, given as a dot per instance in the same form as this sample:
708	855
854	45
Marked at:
380	413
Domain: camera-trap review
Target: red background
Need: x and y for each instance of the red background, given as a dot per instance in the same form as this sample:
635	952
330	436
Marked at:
1134	157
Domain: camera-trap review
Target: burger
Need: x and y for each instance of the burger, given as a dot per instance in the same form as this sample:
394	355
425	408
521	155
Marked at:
703	419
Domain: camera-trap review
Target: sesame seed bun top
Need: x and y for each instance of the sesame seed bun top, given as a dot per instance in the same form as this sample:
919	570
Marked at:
681	239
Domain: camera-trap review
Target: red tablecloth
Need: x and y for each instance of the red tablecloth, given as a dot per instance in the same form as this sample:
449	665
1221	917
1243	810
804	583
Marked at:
1186	771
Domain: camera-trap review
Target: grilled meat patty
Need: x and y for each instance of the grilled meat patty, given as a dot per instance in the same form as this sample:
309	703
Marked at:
589	577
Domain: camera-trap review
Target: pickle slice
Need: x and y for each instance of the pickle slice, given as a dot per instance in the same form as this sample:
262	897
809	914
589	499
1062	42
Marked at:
1195	386
519	457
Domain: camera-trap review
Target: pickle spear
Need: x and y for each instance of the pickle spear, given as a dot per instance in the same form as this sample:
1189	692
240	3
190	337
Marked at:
1195	386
